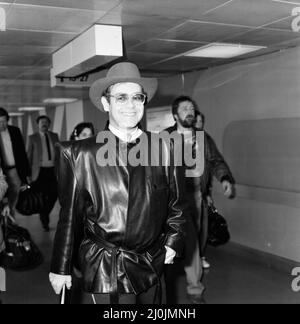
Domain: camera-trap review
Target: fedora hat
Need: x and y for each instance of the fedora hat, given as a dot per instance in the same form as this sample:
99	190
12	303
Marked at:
121	72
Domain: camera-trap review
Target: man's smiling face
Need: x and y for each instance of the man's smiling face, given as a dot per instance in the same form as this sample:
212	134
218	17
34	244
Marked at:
125	110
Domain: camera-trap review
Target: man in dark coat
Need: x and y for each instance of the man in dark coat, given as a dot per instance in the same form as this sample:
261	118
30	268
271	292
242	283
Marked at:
215	167
13	159
132	214
183	109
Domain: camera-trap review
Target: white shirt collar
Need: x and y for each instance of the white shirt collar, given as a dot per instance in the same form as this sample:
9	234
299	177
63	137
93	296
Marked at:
126	136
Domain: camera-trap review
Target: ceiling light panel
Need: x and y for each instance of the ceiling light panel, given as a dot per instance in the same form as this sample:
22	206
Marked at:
31	108
59	100
222	50
16	114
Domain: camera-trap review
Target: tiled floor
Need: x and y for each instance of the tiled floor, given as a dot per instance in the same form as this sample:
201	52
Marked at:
230	280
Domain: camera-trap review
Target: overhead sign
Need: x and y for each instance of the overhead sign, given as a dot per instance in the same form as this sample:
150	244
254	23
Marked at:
85	80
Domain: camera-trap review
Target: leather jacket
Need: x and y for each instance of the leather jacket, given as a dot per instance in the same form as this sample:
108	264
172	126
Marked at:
214	166
119	218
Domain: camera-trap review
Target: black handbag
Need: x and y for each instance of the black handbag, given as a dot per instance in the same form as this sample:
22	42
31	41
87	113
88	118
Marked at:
20	253
32	200
218	232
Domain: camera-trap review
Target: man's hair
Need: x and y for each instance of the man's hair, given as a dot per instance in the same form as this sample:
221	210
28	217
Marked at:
106	93
179	100
199	113
43	117
3	112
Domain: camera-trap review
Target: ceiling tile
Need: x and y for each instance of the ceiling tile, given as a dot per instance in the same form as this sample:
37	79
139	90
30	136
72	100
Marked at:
51	19
11	72
203	32
184	64
30	38
289	2
167	46
249	13
287	43
145	58
138	28
22	60
79	4
35	74
263	37
285	24
170	8
25	50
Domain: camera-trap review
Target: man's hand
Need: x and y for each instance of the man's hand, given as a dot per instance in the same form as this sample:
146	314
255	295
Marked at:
58	281
228	189
5	211
209	201
170	255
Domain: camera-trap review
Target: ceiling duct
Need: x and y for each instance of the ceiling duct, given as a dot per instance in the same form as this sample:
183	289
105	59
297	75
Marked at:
98	46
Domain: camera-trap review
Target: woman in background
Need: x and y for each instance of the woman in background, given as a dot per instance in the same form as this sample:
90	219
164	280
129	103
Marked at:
82	131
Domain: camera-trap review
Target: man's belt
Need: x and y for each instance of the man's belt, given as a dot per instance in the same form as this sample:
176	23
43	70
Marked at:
115	250
10	167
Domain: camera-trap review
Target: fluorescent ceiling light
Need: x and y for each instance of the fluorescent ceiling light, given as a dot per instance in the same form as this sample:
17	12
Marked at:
222	50
15	114
59	100
31	108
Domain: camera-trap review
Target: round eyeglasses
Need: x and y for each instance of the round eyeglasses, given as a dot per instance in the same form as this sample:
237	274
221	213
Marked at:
123	98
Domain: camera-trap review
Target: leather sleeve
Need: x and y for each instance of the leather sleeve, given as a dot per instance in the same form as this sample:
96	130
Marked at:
67	194
218	166
178	208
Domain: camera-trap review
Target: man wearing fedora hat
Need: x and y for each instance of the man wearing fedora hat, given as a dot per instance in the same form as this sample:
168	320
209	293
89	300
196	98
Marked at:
119	223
